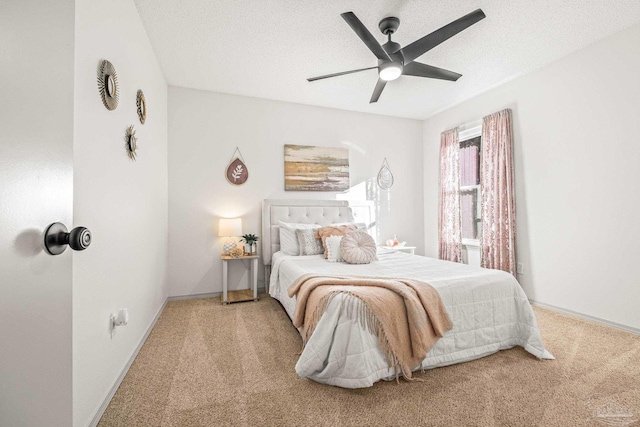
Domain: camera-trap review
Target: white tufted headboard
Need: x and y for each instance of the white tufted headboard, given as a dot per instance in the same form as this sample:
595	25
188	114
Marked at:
322	212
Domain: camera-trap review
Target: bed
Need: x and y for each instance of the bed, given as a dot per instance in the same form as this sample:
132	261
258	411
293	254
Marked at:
489	309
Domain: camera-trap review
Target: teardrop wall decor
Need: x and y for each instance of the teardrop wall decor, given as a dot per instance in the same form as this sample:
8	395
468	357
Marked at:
237	172
385	177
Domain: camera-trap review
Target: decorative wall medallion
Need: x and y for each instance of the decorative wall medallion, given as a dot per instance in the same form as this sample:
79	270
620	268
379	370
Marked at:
385	177
108	85
141	103
131	143
237	173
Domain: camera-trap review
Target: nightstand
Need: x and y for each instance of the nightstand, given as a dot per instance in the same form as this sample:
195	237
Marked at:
386	249
250	294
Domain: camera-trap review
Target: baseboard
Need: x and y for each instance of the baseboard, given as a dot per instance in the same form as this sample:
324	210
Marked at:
116	384
206	295
587	317
194	296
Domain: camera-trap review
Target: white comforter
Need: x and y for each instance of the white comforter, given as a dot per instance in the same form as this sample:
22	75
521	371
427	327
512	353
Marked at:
489	310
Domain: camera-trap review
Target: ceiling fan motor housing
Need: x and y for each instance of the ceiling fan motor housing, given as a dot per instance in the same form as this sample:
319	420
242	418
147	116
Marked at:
393	50
397	62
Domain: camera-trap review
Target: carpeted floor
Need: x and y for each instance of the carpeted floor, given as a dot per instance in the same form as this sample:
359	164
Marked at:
206	364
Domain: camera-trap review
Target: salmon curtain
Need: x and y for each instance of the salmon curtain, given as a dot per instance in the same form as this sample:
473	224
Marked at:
449	237
498	194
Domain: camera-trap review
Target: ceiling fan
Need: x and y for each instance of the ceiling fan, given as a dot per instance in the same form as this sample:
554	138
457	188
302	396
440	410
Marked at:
394	61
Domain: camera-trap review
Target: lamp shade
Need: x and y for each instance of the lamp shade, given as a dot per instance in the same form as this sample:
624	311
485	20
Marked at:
230	227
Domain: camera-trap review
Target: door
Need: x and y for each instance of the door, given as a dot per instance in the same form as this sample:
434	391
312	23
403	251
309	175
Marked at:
36	180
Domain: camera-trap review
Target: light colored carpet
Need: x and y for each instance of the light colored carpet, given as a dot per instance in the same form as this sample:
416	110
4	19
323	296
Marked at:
206	364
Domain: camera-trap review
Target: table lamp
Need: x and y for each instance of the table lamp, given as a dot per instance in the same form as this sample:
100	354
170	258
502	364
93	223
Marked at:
229	228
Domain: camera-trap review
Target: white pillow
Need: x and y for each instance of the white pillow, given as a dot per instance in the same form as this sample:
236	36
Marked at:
288	239
333	248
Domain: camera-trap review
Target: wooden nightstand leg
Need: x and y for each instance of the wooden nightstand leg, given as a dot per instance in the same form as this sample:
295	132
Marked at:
225	300
254	278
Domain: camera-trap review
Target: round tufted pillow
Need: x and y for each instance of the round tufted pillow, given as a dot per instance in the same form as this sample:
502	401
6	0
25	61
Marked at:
358	248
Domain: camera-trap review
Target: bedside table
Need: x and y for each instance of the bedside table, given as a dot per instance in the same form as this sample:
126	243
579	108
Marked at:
387	249
250	294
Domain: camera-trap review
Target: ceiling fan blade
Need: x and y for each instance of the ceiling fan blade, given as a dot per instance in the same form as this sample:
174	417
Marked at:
428	42
419	69
377	91
365	35
313	79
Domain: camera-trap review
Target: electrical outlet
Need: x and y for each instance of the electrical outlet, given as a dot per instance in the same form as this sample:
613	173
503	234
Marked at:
119	318
519	268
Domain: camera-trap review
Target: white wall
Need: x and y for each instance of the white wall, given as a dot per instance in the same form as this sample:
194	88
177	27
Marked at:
206	127
576	161
36	189
123	203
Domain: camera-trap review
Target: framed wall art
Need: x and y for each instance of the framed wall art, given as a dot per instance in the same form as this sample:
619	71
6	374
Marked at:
311	168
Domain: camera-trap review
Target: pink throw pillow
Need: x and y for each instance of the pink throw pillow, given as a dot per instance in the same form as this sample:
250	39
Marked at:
332	230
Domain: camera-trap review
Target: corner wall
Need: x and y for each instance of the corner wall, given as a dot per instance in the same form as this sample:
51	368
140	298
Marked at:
204	130
123	203
576	163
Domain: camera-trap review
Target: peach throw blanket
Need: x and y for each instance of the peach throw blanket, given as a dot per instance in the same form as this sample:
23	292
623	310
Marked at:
406	315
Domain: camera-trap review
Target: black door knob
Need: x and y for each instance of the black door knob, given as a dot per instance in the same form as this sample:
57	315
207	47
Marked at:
56	238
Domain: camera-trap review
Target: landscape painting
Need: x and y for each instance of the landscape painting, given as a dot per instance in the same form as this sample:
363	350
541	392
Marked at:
309	168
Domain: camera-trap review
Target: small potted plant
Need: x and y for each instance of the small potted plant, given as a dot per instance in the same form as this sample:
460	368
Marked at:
250	239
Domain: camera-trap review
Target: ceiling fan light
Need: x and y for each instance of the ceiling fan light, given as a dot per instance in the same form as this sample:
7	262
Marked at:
390	71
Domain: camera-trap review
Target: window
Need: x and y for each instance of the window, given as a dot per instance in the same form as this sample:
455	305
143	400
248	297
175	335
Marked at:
470	194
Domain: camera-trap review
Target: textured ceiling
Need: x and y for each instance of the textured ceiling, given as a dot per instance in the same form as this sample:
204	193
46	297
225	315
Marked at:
267	48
